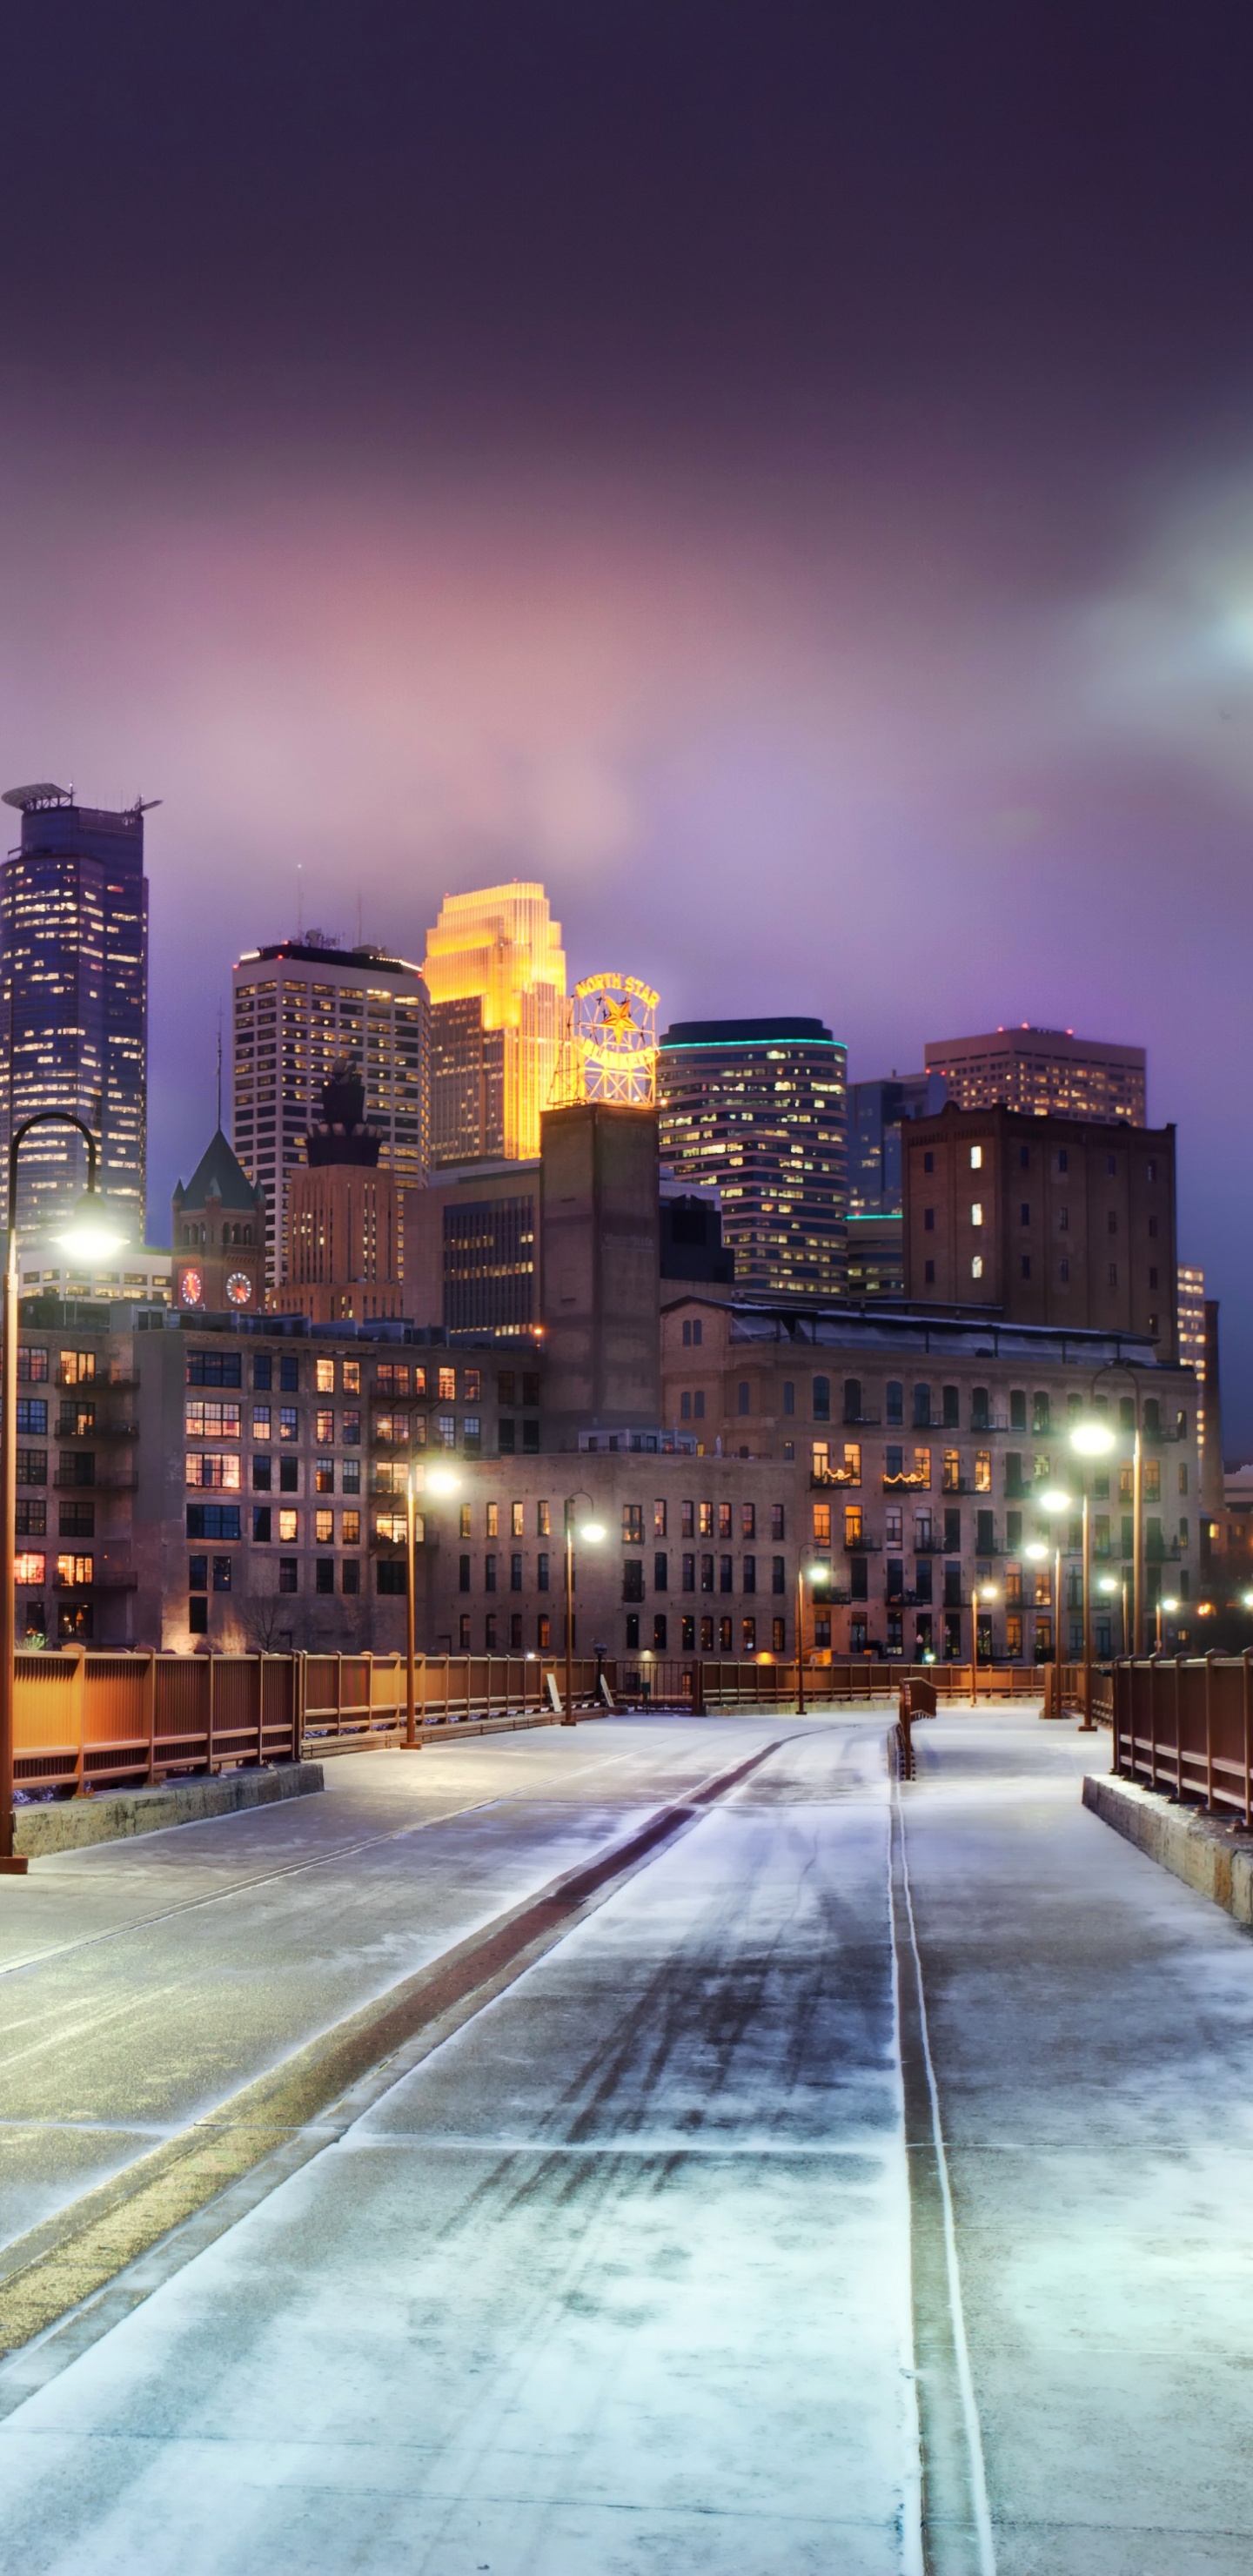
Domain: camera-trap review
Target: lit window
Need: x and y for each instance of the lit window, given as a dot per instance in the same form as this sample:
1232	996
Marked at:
324	1528
447	1389
261	1422
324	1426
976	1211
208	1419
976	1158
976	1267
351	1531
288	1526
28	1567
73	1572
446	1430
324	1380
391	1525
288	1422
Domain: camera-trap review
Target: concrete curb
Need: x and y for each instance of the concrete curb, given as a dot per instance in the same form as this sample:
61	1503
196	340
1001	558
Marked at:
1198	1849
69	1823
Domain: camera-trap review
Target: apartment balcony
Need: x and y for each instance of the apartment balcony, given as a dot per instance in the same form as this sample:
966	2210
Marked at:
862	1546
911	1484
860	1421
821	1477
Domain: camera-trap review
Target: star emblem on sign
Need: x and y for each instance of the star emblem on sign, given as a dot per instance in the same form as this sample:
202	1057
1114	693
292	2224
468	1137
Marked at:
617	1022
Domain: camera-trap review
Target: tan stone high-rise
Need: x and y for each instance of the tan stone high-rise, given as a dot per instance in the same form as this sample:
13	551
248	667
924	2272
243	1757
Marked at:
492	1068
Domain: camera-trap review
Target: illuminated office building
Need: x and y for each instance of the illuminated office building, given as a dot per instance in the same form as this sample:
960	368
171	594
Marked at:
757	1109
74	1000
299	1009
496	974
1042	1073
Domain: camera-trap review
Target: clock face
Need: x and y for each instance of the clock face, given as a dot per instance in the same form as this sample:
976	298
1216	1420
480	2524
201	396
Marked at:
239	1288
191	1288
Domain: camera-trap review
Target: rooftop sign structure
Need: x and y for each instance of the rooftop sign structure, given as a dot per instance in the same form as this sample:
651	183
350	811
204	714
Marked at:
610	1047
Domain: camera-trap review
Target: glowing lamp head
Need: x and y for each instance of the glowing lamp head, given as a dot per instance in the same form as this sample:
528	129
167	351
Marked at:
93	1232
592	1532
1036	1549
985	1592
442	1480
1053	1500
1247	1599
1170	1605
1092	1439
1107	1583
818	1575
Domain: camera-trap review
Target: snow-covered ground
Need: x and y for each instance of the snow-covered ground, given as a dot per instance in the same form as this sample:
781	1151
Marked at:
618	2281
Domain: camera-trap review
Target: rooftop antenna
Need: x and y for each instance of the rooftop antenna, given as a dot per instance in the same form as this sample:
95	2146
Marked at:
219	1068
300	900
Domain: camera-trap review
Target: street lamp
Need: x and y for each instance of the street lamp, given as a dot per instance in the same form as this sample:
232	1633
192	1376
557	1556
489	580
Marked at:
1124	1368
819	1576
90	1234
1170	1606
1054	1501
980	1592
593	1533
435	1480
1092	1439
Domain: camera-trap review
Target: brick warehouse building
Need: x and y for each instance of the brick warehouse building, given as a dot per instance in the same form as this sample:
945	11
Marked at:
919	1443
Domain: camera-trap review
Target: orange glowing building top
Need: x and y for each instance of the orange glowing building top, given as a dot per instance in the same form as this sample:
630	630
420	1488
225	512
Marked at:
492	1069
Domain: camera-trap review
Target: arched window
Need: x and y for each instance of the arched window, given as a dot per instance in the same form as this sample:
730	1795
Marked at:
822	1399
852	1399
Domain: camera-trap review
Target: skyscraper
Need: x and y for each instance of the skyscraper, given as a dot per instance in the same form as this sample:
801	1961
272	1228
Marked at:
1043	1072
757	1107
74	1000
496	974
299	1008
875	1112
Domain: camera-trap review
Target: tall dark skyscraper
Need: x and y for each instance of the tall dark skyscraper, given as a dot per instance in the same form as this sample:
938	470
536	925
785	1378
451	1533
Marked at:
74	1000
757	1108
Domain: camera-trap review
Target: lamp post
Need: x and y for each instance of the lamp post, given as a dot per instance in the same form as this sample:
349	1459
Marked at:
819	1575
1170	1606
1092	1439
435	1480
979	1592
593	1533
91	1234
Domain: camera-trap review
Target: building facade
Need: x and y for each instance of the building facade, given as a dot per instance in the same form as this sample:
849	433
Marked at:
298	1009
496	974
74	1001
876	1112
345	1253
756	1109
1041	1073
472	1251
921	1446
1060	1222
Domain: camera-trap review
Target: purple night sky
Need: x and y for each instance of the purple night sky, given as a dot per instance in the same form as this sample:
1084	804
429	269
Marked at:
783	475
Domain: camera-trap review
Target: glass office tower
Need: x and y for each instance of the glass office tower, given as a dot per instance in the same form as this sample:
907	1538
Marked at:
74	1000
758	1109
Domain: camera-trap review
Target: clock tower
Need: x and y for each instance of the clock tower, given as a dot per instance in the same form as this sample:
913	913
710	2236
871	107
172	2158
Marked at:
219	1238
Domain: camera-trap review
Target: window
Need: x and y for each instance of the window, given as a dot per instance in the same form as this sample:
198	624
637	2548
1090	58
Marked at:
213	1467
29	1566
894	1401
446	1388
789	1396
289	1526
210	1368
688	1581
324	1529
324	1377
197	1574
261	1523
698	1404
778	1574
928	1161
976	1266
324	1475
32	1519
543	1632
950	1407
976	1158
632	1524
749	1582
822	1525
289	1375
852	1525
928	1220
288	1422
262	1370
206	1419
778	1636
517	1520
724	1520
743	1395
822	1399
892	1519
706	1574
950	1472
261	1422
289	1475
661	1571
289	1574
1018	1408
446	1430
852	1399
633	1578
748	1520
541	1571
32	1466
472	1434
985	1539
922	1408
983	1471
778	1519
213	1520
706	1520
489	1572
688	1517
324	1574
324	1427
472	1386
32	1364
1183	1480
976	1211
